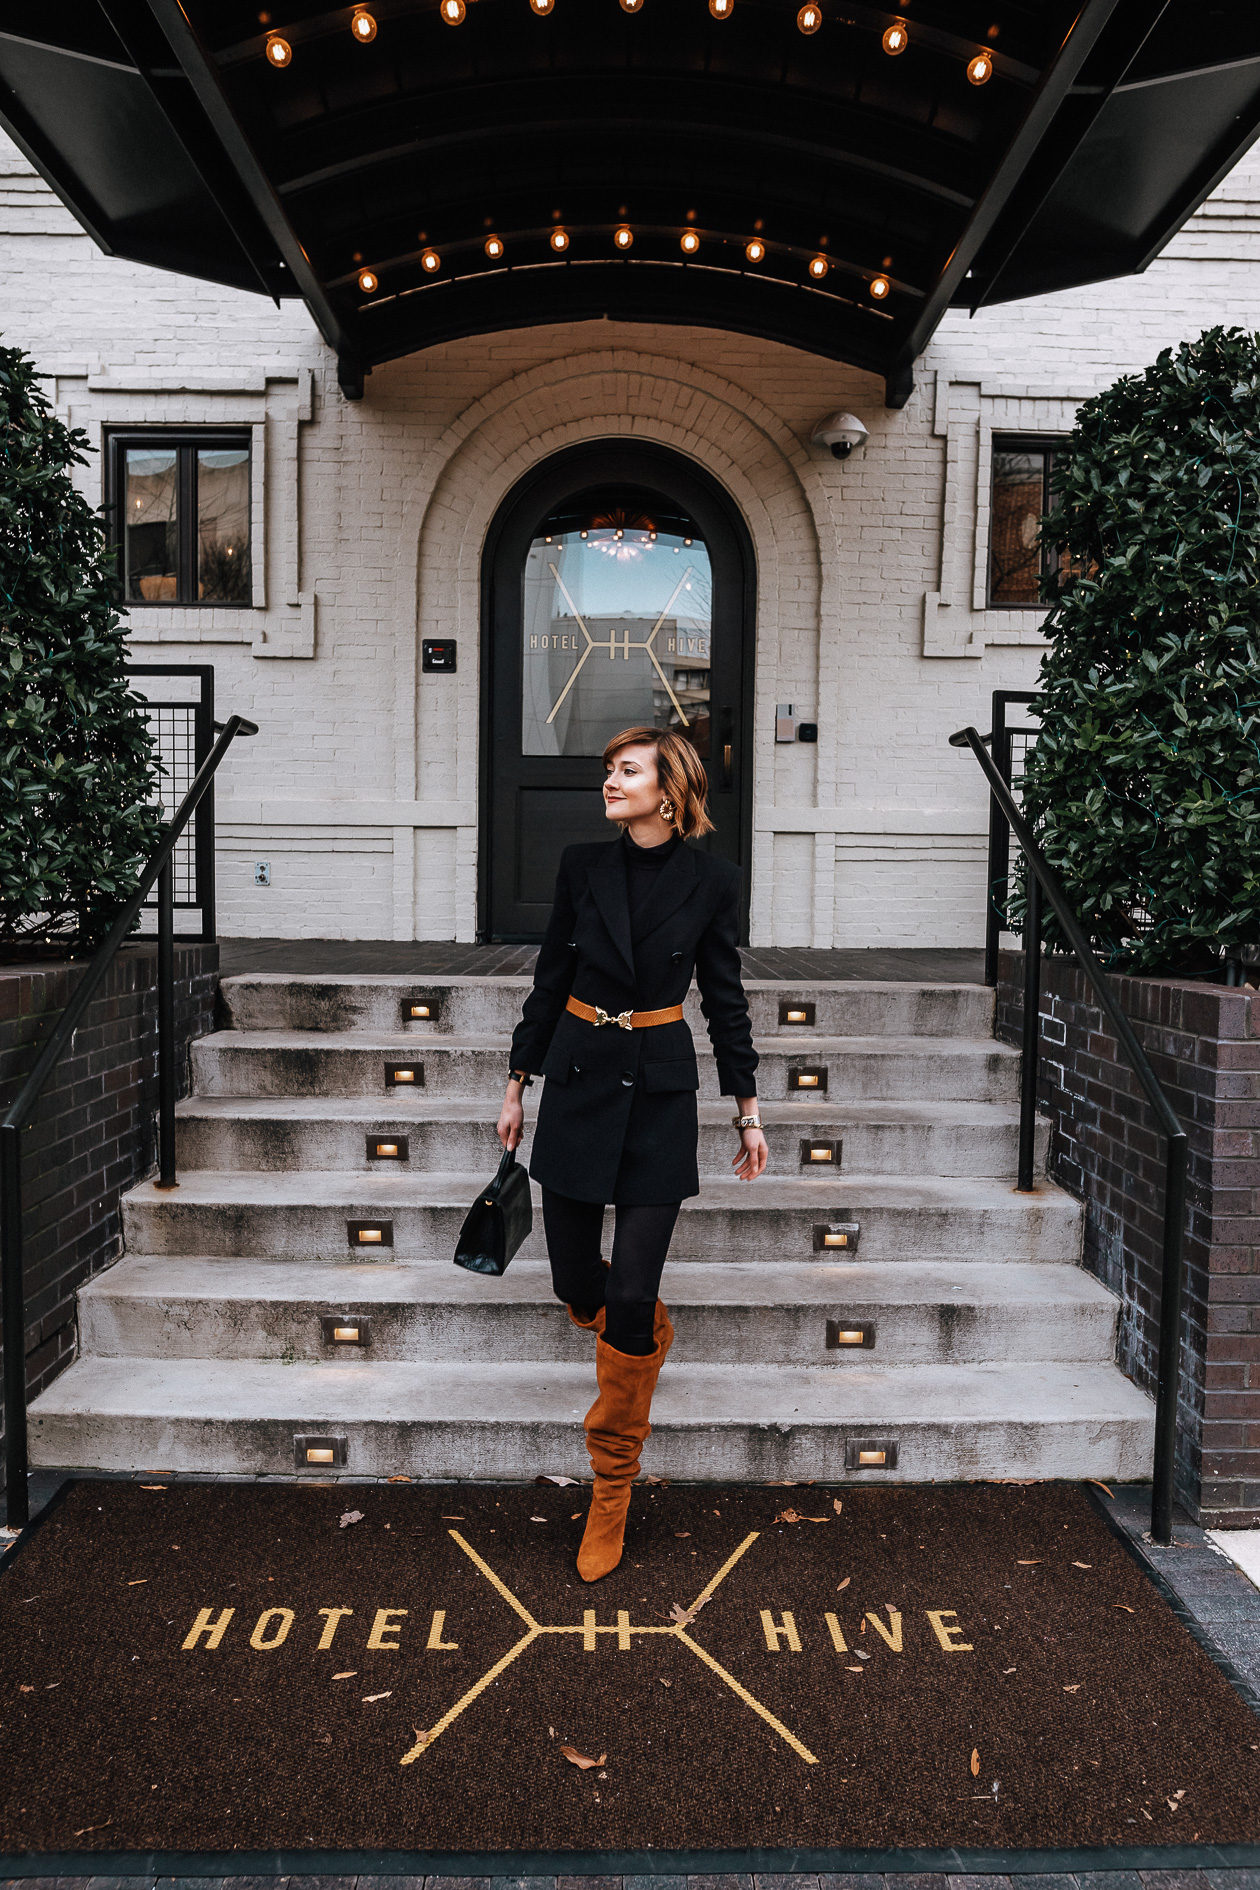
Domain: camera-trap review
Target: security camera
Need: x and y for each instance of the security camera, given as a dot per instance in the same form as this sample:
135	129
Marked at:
841	432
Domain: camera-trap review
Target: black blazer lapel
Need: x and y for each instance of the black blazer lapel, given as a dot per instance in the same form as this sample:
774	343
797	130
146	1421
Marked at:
676	883
607	882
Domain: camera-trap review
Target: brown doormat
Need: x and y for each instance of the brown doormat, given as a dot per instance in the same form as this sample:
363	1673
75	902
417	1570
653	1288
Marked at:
210	1667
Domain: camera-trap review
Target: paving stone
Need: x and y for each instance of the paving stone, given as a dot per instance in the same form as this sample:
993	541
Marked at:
789	1880
980	1883
1233	1879
506	1883
1109	1880
417	1883
192	1883
854	1880
640	1883
483	1883
1048	1882
920	1880
1174	1880
719	1883
1235	1608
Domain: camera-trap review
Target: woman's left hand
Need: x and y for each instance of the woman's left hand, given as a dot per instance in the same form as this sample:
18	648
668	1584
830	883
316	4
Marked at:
753	1154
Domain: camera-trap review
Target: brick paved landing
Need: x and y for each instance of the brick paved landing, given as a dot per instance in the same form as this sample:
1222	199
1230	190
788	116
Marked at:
402	958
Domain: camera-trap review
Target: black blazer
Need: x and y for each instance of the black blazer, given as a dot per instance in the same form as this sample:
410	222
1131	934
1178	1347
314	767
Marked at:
617	1119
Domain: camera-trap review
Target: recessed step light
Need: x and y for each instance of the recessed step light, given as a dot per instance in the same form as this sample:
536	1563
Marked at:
870	1453
388	1148
791	1012
821	1154
841	1335
370	1233
836	1236
808	1079
345	1329
421	1009
400	1075
319	1452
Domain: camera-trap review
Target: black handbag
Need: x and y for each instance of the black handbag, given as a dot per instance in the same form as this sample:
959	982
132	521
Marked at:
498	1221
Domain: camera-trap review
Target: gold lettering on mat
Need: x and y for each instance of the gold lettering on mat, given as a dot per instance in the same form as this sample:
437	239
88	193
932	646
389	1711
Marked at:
891	1634
837	1638
264	1638
589	1628
331	1624
787	1632
386	1623
213	1630
947	1632
435	1643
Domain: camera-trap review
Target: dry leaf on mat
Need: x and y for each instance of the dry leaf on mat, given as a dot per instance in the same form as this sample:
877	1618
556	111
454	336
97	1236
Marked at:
369	1697
781	1483
94	1827
26	1689
348	1675
1100	1486
682	1535
576	1516
155	1486
860	1654
1082	1565
975	1762
351	1516
538	1519
1121	1605
454	1519
836	1504
422	1738
1174	1803
857	1670
683	1617
579	1759
844	1583
666	1683
1031	1562
563	1483
1075	1688
661	1482
1007	1670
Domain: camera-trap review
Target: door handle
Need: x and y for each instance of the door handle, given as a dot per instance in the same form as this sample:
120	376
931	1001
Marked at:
726	749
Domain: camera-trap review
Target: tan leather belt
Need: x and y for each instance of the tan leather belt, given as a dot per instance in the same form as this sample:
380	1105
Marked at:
628	1020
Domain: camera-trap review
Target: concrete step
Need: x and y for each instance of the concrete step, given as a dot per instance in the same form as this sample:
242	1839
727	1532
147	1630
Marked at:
504	1420
304	1216
332	1132
354	1063
470	1006
729	1314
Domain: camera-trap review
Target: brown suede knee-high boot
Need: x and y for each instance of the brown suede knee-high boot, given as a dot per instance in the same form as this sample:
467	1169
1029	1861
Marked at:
616	1427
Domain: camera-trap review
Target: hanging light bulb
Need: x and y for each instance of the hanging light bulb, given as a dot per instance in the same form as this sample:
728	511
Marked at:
896	38
721	9
560	239
809	19
279	51
543	6
632	6
818	267
755	250
452	11
690	242
880	285
363	26
494	247
430	260
623	236
369	281
980	67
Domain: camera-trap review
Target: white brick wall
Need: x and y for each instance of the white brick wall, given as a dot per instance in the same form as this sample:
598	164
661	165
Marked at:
362	787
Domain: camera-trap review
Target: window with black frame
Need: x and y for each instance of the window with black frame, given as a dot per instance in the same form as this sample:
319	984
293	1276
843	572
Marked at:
179	510
1018	562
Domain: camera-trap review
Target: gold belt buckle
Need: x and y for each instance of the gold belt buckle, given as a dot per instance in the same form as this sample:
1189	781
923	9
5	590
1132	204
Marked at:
606	1017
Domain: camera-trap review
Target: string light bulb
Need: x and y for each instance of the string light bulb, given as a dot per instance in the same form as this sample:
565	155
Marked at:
632	6
809	19
430	260
755	250
452	11
560	239
880	285
363	26
690	242
818	267
543	7
623	236
369	281
279	51
721	9
494	247
896	38
980	67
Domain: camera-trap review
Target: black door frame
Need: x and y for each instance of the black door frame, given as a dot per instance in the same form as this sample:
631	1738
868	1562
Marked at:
605	461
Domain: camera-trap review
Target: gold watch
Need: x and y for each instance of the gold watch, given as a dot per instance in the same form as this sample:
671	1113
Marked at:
746	1122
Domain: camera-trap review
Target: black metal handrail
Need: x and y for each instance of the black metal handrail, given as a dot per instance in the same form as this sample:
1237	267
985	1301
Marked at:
1044	879
16	1117
999	829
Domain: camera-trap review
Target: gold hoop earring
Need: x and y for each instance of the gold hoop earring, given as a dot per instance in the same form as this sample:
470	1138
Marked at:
667	812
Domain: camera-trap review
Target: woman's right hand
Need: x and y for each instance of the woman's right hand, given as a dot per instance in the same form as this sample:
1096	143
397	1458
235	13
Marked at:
511	1124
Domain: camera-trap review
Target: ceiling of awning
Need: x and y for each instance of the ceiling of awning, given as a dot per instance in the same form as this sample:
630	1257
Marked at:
876	187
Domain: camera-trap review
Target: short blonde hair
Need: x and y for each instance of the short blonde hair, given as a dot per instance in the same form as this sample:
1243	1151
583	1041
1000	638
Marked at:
680	772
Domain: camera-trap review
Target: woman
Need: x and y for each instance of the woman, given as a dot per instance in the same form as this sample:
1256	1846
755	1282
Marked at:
604	1024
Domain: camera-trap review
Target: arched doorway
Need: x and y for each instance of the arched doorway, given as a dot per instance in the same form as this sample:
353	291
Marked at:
618	587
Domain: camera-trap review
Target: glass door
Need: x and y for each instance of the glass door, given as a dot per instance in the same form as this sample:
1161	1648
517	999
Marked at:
614	601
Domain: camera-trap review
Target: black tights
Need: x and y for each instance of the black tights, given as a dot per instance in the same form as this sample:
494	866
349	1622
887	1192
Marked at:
628	1291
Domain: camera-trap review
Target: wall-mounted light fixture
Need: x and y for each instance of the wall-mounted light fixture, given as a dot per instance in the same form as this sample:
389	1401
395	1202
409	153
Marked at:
345	1329
844	1335
365	1234
813	1080
797	1014
870	1453
842	432
821	1154
404	1076
326	1452
421	1009
388	1148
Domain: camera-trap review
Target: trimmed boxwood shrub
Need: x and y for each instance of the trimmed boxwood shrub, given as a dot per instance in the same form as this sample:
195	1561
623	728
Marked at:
78	777
1145	780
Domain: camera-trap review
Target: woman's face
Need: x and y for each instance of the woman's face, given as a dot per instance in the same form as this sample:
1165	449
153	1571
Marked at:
631	790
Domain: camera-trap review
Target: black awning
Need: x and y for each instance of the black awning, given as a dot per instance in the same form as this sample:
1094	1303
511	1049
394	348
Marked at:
447	167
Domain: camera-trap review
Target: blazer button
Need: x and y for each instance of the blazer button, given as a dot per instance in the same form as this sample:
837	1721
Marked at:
675	958
627	1079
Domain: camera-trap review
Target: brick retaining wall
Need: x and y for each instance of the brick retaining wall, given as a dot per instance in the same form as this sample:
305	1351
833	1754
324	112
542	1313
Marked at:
94	1132
1203	1041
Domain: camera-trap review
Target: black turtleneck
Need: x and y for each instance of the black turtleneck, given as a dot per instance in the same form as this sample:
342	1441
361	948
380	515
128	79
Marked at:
643	868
